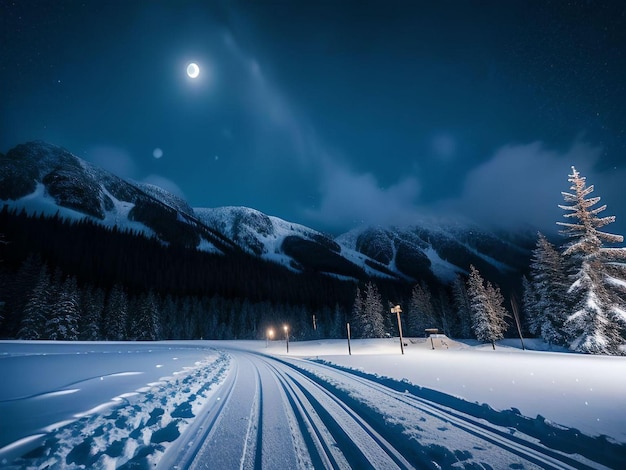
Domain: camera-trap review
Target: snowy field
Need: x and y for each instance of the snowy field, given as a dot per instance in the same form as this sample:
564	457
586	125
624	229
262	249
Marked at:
135	405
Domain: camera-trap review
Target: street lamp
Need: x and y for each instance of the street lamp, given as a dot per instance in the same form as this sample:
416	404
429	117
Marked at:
286	329
269	336
397	310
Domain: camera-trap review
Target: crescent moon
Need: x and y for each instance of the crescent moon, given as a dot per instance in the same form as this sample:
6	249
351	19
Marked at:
193	70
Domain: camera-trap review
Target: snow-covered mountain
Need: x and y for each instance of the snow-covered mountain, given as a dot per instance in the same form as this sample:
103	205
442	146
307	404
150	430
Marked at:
41	177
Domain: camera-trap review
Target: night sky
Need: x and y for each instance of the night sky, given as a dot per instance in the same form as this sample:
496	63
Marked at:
330	113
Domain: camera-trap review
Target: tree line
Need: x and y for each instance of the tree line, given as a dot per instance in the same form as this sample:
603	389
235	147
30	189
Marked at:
78	280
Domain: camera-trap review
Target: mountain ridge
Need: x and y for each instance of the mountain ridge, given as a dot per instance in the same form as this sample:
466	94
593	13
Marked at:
42	177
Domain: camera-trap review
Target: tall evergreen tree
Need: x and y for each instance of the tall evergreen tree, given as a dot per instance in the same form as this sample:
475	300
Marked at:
357	317
548	291
530	309
367	313
598	288
463	307
145	320
116	314
27	277
37	308
421	311
373	311
62	321
92	306
488	312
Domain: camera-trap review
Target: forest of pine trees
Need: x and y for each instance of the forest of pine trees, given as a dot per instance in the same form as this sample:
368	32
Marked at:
79	281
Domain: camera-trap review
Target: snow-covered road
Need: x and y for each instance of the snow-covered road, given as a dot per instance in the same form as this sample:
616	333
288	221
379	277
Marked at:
288	413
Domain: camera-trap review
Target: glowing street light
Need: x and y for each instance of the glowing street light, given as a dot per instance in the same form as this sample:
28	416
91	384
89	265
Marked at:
397	310
286	329
269	336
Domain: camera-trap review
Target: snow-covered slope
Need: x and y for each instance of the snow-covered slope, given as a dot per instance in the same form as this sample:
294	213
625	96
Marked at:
44	178
289	244
40	177
440	248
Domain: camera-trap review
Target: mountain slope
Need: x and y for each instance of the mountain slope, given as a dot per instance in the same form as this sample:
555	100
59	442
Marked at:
41	177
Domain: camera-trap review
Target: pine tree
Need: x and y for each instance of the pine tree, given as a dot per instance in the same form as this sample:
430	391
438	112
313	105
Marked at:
145	324
463	307
530	303
92	307
421	311
358	319
37	308
62	321
25	281
598	273
373	311
488	312
367	313
549	288
116	314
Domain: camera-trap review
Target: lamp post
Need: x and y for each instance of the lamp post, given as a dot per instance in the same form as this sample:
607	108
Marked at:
269	336
349	349
286	328
397	310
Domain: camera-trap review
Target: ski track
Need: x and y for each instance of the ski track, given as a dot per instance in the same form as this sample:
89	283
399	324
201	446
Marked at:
287	413
248	410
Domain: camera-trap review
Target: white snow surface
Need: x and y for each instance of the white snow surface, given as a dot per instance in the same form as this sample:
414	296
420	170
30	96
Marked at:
181	404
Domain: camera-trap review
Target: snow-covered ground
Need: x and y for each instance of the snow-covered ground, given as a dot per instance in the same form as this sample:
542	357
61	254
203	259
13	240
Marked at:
212	404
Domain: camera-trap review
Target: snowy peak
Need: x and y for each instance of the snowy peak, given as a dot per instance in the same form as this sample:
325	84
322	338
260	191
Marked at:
292	245
440	249
43	178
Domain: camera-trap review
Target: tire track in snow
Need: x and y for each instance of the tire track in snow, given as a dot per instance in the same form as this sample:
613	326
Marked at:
250	430
524	447
274	417
343	438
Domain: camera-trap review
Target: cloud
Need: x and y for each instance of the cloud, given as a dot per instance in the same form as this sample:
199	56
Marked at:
522	184
518	188
349	198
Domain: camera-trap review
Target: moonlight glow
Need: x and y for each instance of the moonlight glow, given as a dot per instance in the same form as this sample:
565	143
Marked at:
193	70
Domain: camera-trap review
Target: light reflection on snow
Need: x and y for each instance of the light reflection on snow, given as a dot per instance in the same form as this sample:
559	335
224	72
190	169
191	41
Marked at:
58	393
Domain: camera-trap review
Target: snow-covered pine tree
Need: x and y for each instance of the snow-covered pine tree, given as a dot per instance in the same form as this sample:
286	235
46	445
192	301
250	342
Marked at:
92	306
62	322
145	324
37	308
597	293
26	278
367	313
529	306
116	314
357	318
463	307
421	311
488	312
549	286
373	311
